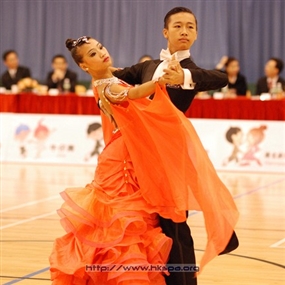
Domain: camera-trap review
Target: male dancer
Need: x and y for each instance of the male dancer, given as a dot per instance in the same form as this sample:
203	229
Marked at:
180	30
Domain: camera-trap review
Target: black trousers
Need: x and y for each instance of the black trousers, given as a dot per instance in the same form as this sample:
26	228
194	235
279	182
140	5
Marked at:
182	251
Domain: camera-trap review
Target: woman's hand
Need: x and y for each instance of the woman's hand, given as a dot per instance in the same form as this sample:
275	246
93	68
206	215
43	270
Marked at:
222	62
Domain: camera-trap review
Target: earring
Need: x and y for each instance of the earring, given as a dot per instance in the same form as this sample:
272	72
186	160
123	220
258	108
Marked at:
86	69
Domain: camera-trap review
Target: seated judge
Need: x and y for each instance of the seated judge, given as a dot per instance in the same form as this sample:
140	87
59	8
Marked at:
61	77
14	72
272	70
237	82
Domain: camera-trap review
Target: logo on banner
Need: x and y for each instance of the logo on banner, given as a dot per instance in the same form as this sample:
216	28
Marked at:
28	139
33	142
246	149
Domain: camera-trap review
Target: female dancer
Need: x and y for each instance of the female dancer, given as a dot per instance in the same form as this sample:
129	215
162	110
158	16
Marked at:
112	222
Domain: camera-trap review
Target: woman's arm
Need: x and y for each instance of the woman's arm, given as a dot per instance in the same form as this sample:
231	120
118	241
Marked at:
145	89
116	93
222	62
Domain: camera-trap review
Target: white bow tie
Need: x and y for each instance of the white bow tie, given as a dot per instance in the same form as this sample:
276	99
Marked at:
179	55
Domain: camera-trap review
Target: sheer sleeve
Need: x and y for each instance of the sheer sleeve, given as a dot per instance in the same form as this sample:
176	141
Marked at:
105	106
109	97
115	96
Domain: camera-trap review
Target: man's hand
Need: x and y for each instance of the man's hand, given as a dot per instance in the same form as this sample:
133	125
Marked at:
174	64
57	75
173	75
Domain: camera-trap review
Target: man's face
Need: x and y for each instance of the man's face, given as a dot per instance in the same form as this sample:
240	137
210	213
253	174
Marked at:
181	32
12	61
59	63
270	69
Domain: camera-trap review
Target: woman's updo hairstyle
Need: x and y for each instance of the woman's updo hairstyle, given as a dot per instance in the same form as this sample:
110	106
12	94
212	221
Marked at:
73	45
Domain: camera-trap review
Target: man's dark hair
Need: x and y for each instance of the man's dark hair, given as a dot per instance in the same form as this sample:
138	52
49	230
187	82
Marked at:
279	63
58	56
7	52
177	10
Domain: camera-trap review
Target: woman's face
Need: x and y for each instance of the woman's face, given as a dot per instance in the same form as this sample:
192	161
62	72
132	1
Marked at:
233	68
95	57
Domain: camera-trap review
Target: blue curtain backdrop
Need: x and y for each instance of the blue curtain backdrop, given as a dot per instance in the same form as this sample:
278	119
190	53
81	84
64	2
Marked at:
251	30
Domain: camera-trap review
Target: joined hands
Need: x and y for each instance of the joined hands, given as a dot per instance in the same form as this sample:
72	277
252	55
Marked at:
173	74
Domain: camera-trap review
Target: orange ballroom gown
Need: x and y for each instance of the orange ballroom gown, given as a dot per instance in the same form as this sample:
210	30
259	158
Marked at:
153	164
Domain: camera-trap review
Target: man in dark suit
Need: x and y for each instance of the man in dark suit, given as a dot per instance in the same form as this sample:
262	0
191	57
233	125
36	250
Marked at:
61	77
186	79
272	70
14	72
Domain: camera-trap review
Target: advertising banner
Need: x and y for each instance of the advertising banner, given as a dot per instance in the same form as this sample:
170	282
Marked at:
234	145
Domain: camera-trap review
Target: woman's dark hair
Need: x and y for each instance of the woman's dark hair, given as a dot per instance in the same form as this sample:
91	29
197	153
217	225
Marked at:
230	60
177	10
73	45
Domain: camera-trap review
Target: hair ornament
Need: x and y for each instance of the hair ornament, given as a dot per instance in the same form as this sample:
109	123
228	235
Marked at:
80	41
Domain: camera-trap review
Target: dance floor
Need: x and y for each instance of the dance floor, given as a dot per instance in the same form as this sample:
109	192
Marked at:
29	225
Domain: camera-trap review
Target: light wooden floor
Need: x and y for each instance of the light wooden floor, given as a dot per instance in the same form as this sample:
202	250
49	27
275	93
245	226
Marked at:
29	224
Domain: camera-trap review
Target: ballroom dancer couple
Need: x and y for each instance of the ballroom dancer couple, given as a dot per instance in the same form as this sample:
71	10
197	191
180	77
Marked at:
152	170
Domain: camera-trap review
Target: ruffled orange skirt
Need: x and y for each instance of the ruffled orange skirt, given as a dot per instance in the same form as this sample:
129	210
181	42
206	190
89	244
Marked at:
108	223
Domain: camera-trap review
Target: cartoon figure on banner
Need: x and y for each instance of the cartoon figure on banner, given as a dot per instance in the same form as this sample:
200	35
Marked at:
41	134
254	137
234	135
21	134
95	133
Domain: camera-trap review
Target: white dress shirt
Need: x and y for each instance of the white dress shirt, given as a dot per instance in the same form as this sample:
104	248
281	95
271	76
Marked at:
12	72
272	82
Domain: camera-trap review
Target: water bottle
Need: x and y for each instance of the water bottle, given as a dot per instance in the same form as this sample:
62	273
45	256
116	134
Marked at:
279	90
66	85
